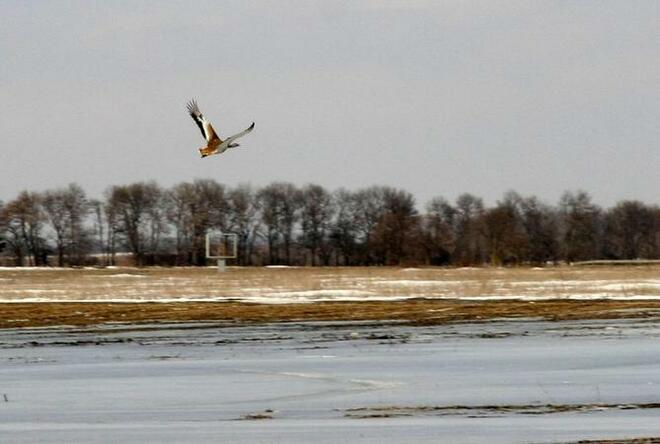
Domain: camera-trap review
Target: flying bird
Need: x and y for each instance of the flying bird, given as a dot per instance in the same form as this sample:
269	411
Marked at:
214	144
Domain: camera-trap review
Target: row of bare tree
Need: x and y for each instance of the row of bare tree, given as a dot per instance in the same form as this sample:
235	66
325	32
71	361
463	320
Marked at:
285	224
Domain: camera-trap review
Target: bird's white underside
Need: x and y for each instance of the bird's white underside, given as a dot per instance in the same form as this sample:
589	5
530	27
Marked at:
207	130
224	146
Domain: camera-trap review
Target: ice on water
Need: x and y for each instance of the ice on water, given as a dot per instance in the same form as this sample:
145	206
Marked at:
299	382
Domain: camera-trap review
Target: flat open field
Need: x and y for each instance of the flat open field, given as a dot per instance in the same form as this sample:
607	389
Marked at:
46	297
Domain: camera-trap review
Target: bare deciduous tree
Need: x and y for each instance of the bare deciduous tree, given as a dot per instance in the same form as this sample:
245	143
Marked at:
581	227
66	210
631	230
136	208
281	224
196	208
243	220
22	219
316	216
268	201
503	230
393	231
99	228
369	209
280	203
469	243
3	242
53	203
179	203
437	231
540	224
344	232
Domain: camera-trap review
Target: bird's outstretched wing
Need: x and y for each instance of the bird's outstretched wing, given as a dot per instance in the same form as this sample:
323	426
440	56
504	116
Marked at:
203	124
241	134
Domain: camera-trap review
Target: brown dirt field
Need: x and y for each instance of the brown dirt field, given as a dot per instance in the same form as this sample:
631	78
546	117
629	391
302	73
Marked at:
421	312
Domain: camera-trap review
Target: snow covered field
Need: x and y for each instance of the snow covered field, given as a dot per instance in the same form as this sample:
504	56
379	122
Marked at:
497	382
303	285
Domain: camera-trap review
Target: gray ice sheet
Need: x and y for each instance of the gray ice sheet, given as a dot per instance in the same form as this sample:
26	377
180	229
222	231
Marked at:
196	382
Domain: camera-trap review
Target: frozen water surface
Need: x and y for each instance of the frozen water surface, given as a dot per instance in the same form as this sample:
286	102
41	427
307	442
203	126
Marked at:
497	382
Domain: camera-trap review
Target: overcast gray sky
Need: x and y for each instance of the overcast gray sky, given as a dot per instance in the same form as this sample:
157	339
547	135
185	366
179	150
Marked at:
436	97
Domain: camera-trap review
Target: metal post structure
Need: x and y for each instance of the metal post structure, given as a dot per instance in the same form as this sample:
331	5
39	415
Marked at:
224	255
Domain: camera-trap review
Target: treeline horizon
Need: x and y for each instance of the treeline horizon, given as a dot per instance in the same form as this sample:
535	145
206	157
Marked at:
285	224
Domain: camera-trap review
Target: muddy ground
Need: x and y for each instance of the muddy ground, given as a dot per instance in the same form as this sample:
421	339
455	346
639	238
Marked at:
421	312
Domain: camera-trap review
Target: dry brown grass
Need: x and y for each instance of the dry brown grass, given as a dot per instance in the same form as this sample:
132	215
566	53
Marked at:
173	283
168	283
421	312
